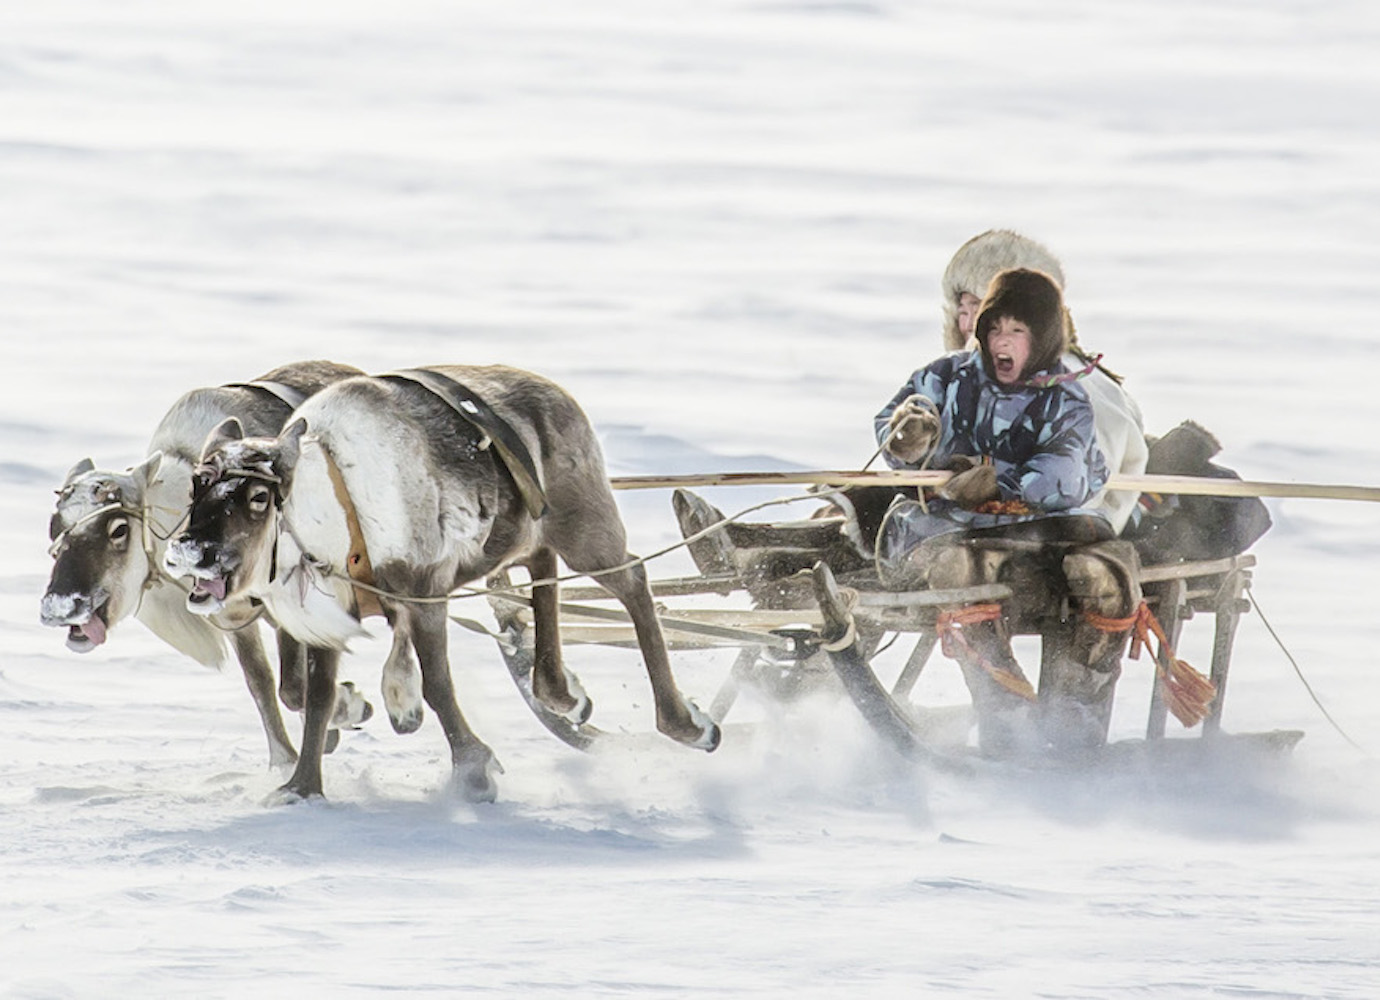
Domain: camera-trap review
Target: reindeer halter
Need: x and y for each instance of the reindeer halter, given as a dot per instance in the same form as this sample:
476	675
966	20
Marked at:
146	533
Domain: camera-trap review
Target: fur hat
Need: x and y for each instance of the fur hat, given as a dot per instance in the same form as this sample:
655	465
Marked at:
981	259
1032	297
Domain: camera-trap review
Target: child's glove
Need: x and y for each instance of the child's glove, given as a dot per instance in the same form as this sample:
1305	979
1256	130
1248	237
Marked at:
913	429
972	487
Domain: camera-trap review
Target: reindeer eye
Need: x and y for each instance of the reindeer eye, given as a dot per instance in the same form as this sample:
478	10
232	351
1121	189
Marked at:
118	531
259	497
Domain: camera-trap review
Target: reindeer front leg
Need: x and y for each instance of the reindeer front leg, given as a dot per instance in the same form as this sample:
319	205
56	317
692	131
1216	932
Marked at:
402	683
472	763
258	675
305	782
292	672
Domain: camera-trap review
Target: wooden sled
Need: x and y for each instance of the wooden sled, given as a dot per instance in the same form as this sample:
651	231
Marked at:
818	615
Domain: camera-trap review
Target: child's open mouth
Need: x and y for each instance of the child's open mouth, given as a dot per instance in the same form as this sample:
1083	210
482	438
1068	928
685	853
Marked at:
1005	365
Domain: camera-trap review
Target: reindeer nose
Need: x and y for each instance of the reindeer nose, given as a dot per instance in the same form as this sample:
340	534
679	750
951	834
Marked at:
64	609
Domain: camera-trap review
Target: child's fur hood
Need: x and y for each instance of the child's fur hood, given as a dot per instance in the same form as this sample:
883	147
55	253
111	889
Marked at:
980	260
1033	298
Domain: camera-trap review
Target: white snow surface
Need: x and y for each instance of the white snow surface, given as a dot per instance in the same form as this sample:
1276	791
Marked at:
721	225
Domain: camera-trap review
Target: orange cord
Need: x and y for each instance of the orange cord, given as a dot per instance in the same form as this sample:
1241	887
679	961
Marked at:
1188	693
950	624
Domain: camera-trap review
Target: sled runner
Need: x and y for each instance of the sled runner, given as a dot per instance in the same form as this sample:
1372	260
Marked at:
818	616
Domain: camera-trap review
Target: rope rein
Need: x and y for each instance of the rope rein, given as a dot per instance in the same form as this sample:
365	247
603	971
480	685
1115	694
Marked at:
60	539
325	569
147	533
1188	694
1302	679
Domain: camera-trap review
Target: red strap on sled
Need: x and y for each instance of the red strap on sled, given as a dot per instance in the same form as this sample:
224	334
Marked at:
954	643
1188	693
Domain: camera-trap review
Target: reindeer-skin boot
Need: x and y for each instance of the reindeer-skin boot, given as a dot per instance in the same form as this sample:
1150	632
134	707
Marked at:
1082	661
983	651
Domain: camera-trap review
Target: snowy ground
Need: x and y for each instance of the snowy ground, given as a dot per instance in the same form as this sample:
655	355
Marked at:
721	225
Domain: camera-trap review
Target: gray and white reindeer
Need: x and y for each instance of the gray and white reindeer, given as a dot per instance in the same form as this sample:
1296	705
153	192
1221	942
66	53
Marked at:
110	530
391	480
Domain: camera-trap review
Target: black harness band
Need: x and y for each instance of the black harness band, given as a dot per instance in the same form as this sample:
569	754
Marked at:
278	390
512	451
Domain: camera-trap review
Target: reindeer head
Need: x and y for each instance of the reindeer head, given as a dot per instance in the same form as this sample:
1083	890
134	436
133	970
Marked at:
238	490
101	562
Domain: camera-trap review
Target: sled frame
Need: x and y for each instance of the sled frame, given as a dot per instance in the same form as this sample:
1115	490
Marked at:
807	589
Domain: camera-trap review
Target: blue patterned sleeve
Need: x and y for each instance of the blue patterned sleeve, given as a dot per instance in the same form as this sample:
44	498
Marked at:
929	381
1068	468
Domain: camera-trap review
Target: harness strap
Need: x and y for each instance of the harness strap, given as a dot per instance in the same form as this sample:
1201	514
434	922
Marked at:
278	390
1187	692
357	564
955	645
512	451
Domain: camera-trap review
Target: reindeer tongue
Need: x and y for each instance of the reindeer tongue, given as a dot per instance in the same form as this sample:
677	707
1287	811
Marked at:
94	629
215	586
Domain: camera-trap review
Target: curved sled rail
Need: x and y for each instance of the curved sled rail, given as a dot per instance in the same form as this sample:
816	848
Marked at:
840	641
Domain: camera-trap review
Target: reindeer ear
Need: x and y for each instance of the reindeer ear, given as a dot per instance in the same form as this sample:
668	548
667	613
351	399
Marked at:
228	430
80	469
143	473
289	448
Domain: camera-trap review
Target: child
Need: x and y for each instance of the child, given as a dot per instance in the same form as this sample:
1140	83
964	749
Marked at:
1018	428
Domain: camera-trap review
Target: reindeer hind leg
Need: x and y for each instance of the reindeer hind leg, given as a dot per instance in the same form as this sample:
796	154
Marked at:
677	717
552	684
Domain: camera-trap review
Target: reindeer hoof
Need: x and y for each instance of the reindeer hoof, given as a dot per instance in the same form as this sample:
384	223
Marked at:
332	741
709	739
583	712
579	713
351	708
575	706
282	756
474	776
402	698
287	795
701	732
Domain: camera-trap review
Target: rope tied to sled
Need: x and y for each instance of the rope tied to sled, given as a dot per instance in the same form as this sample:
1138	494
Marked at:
956	646
1187	692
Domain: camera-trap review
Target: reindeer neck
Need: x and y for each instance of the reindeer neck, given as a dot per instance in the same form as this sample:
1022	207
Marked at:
310	594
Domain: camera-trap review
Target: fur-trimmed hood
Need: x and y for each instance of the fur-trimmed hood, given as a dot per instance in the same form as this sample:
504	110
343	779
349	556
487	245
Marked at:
1033	298
981	259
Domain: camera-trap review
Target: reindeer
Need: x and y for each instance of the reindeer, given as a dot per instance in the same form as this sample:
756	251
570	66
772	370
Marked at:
109	533
381	489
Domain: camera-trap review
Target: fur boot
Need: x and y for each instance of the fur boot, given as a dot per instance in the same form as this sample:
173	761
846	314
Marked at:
1004	722
1081	662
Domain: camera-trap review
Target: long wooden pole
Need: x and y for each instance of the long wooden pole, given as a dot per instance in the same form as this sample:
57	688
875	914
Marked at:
1195	485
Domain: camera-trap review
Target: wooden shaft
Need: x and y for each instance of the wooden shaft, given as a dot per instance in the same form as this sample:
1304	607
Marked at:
1169	485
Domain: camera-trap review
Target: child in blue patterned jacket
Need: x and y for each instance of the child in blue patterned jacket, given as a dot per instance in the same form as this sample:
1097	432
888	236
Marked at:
1017	428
